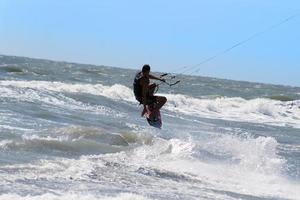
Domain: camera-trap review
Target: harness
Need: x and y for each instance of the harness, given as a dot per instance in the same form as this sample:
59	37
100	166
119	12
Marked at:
137	88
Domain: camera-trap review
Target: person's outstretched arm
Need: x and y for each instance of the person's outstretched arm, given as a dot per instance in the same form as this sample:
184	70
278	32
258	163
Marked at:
156	78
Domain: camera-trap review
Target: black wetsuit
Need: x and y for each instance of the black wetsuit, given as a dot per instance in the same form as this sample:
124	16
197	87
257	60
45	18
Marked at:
138	89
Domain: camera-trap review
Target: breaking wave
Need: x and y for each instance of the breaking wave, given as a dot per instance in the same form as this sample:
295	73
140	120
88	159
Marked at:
259	110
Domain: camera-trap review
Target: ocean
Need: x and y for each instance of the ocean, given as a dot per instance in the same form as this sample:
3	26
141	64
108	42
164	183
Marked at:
74	131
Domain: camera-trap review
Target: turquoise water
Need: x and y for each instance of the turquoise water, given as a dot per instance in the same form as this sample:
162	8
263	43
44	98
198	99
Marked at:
74	131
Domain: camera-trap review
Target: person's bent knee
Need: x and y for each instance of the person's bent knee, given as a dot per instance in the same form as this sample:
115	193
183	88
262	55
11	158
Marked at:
164	99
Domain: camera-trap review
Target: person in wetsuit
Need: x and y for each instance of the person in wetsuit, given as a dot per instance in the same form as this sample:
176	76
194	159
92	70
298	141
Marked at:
144	90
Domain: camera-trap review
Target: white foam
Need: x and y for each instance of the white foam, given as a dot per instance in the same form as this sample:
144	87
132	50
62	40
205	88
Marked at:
258	110
5	143
36	91
14	128
251	154
50	170
116	91
254	170
238	109
246	174
73	196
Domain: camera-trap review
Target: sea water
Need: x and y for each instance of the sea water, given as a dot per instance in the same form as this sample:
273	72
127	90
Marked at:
73	131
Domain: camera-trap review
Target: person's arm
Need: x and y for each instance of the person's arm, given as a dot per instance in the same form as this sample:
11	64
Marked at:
156	78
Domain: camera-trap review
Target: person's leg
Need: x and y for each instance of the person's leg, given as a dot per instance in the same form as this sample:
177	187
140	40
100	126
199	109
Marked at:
151	89
161	100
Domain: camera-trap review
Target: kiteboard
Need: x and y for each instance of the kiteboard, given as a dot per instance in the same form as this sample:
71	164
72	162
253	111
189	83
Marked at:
153	117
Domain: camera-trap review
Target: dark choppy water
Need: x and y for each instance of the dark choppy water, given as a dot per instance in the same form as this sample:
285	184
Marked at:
71	131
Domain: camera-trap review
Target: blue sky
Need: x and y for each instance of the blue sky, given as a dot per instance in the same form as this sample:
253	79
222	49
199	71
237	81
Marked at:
167	34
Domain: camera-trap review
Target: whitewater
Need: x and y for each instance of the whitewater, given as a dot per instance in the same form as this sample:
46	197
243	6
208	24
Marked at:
74	131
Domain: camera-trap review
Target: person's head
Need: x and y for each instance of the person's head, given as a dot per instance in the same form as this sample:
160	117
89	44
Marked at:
146	69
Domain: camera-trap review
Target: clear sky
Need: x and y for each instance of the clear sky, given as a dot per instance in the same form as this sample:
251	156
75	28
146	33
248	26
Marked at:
167	34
